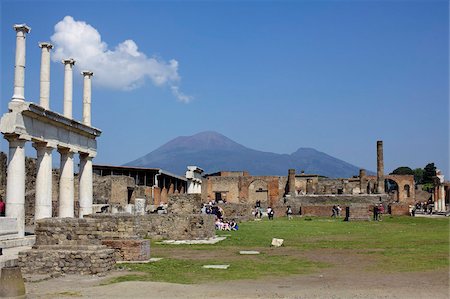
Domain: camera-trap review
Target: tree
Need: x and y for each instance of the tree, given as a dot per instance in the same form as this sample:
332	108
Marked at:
428	173
418	175
403	170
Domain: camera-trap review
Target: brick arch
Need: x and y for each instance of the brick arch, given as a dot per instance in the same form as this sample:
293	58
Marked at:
404	182
258	190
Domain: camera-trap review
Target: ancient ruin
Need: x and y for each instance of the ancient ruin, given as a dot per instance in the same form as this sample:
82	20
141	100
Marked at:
47	130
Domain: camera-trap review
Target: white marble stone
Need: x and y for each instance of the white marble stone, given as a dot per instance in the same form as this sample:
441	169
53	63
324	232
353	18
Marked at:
86	191
139	206
66	184
19	67
43	204
220	267
44	95
68	86
15	183
87	97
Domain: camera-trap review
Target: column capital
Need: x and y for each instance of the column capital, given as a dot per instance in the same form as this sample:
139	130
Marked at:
15	138
87	156
22	28
45	45
87	73
66	150
43	145
68	61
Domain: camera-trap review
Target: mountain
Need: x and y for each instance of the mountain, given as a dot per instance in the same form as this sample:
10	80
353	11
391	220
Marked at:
215	152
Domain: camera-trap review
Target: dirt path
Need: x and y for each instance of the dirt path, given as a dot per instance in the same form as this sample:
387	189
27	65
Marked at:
349	278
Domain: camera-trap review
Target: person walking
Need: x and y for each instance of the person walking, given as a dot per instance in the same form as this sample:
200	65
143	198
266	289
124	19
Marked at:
289	213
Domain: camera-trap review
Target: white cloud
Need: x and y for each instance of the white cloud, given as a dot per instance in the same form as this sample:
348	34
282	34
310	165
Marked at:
123	68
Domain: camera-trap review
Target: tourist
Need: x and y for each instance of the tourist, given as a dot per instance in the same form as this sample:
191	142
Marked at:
338	210
270	213
289	213
375	213
380	211
333	212
2	208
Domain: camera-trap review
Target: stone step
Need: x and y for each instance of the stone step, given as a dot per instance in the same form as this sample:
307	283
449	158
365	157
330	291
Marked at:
18	242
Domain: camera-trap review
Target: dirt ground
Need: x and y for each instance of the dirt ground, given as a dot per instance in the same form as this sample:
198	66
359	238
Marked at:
348	278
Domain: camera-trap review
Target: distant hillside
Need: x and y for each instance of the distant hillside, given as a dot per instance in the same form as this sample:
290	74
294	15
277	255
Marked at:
214	152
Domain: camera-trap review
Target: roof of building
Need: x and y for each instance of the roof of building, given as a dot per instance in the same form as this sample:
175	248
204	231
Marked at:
134	168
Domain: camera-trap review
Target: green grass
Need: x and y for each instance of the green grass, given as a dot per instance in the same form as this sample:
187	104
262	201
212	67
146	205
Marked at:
191	271
398	244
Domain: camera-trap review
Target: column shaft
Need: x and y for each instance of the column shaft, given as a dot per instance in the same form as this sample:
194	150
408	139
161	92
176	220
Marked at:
68	86
44	95
66	184
87	90
19	67
43	205
86	192
380	168
15	183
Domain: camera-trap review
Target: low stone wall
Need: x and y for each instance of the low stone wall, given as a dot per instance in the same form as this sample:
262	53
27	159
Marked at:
154	226
129	250
399	209
184	204
51	259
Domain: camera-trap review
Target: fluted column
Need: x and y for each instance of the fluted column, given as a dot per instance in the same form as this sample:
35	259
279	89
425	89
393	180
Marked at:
66	183
68	86
43	205
86	192
15	182
87	97
19	67
44	95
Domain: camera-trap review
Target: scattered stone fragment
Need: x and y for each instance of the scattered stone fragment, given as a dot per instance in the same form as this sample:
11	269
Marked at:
248	252
277	242
223	267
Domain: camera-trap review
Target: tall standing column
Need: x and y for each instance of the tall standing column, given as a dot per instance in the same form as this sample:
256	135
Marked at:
43	205
85	177
68	86
19	67
44	96
66	183
87	97
15	182
380	167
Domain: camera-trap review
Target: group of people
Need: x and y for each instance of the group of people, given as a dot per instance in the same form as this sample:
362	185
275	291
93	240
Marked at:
226	225
258	212
336	211
378	211
426	206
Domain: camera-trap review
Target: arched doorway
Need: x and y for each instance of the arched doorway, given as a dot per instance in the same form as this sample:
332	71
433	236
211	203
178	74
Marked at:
391	188
257	190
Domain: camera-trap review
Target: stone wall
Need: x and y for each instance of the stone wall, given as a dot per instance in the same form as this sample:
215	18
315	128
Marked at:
184	204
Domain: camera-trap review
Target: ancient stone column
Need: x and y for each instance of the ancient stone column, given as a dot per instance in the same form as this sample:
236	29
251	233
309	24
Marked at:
15	183
86	192
380	167
43	205
66	183
442	198
68	86
19	67
44	96
87	97
362	181
291	181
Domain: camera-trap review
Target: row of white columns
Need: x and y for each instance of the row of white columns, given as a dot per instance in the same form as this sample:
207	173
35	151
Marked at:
439	199
15	191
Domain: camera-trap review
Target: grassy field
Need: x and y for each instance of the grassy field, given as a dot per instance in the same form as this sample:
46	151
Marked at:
398	244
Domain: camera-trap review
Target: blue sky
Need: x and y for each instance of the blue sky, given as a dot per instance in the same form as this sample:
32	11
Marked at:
275	76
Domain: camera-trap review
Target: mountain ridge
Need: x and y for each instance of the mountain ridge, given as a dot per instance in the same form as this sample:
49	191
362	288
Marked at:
214	152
